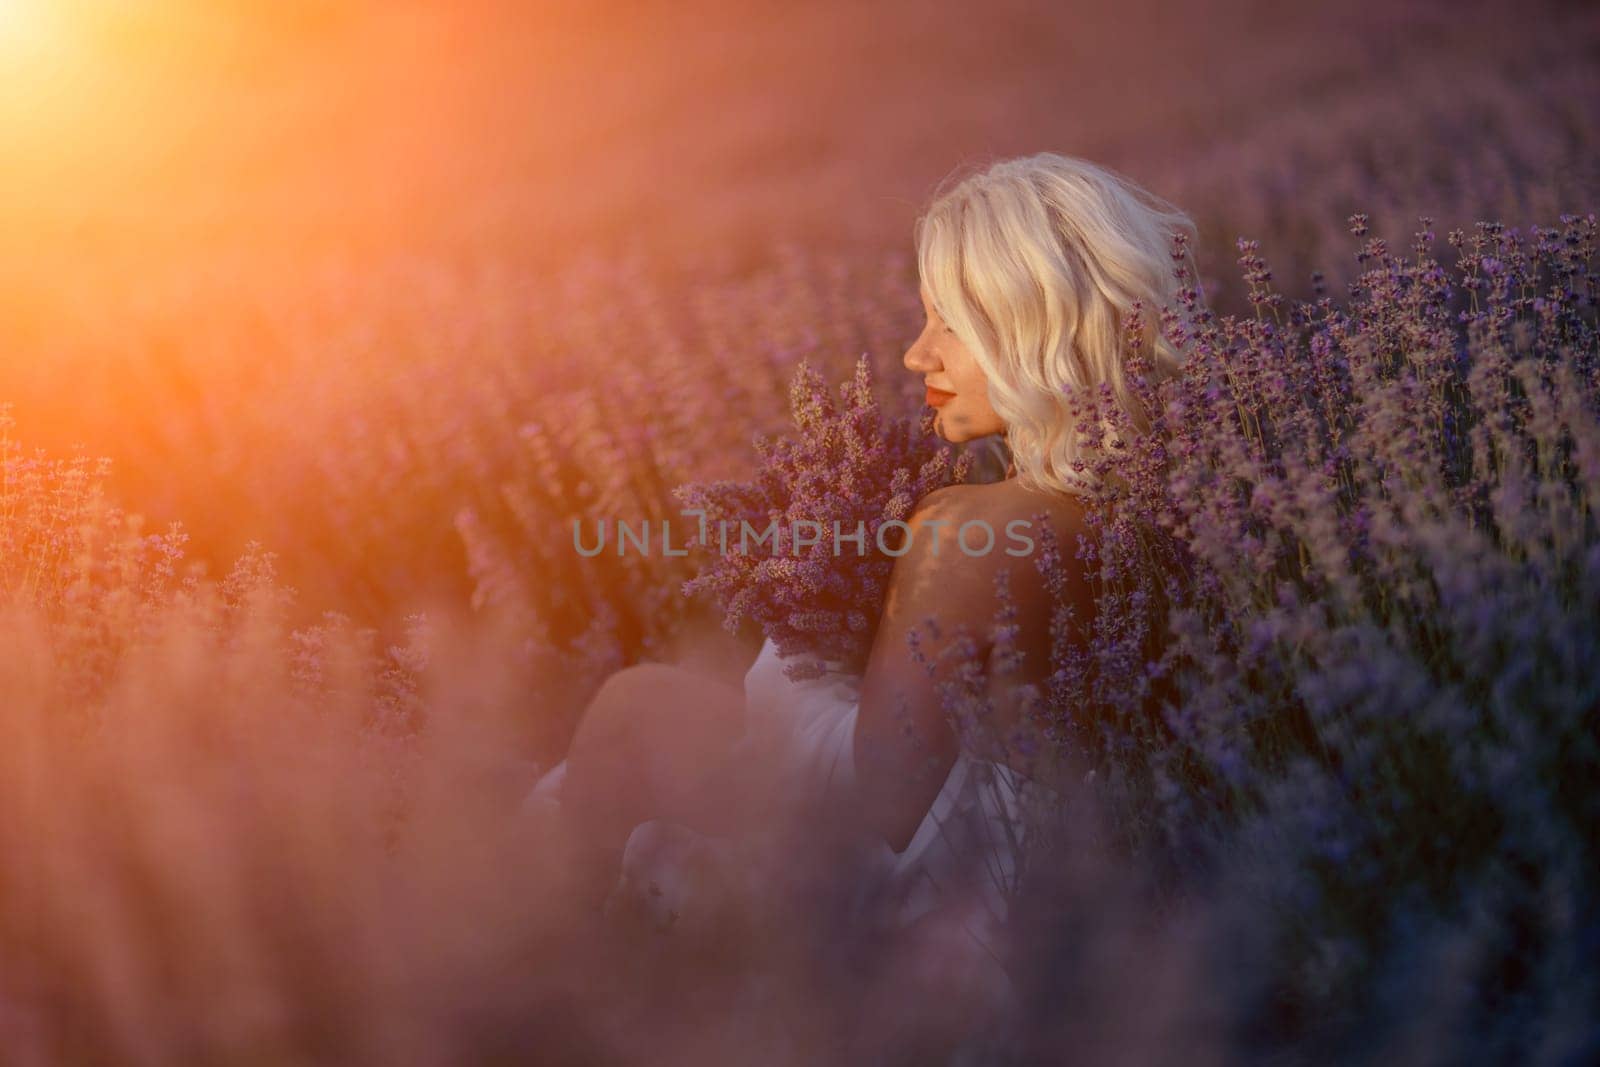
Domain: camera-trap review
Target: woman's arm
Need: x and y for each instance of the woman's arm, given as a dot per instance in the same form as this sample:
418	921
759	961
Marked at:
904	746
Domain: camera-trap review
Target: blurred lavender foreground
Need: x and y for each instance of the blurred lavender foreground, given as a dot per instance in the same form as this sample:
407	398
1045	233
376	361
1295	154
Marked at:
260	768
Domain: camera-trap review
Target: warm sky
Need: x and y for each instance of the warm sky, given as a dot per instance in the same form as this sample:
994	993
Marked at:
253	122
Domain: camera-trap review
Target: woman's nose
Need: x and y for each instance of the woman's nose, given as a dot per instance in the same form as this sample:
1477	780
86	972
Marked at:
918	358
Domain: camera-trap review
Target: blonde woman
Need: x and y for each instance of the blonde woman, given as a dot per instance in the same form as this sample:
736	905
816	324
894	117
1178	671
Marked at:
1029	270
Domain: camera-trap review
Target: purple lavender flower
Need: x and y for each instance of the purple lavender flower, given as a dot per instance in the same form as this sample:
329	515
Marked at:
849	468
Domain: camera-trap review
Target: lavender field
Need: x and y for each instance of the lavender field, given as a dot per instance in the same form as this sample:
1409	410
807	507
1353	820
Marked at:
321	323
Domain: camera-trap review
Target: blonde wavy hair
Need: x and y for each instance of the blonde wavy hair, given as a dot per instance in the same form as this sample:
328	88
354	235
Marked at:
1036	263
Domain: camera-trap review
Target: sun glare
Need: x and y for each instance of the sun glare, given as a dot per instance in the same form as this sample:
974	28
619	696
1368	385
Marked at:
30	33
20	19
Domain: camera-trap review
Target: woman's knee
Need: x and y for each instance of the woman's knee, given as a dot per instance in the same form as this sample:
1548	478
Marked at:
663	698
605	782
624	700
633	719
655	730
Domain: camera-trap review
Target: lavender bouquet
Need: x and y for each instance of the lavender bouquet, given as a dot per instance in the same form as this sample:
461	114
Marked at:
806	547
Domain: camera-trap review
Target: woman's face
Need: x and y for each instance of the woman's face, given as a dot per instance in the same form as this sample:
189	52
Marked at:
957	388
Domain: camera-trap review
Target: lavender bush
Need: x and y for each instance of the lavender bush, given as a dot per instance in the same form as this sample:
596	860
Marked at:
1332	714
1366	732
1333	695
849	468
409	359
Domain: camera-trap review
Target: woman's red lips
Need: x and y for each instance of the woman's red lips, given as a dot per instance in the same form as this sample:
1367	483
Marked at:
938	397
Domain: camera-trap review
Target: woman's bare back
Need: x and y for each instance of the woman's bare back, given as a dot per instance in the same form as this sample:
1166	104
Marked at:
971	597
904	743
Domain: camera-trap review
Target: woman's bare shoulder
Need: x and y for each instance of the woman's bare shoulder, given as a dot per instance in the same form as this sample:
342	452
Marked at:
999	502
950	560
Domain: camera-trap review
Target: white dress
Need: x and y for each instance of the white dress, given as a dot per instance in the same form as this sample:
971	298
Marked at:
803	732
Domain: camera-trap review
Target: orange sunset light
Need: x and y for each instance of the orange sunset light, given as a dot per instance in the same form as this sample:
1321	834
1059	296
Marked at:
29	29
